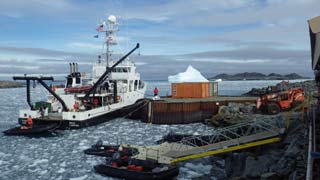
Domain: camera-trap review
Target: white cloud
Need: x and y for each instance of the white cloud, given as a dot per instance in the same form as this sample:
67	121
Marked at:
232	61
84	45
19	66
20	8
140	63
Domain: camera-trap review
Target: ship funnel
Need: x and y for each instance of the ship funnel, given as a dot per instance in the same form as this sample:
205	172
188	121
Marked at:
70	66
73	68
76	67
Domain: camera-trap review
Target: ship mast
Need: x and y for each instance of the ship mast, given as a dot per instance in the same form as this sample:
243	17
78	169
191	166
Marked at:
110	27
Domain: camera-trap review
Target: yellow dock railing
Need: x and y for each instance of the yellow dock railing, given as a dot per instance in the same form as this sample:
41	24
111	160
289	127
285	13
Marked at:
226	150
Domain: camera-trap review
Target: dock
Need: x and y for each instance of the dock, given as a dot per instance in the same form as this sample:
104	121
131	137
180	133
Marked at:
236	137
187	110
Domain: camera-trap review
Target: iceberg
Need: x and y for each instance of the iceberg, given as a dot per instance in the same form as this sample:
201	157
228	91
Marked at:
190	75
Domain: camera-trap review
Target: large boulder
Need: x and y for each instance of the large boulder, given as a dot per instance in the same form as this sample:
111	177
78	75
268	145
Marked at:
224	111
247	108
270	176
256	166
235	164
232	114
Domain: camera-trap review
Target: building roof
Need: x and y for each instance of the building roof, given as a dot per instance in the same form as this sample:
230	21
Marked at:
314	24
314	27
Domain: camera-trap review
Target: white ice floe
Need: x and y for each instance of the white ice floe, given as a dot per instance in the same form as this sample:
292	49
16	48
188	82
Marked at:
190	75
38	162
61	170
3	154
79	178
63	164
3	162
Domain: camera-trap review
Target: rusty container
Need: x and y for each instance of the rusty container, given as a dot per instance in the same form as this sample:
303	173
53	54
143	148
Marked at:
190	90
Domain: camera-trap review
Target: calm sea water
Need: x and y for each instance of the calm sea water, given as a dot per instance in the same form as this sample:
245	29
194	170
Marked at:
61	156
225	88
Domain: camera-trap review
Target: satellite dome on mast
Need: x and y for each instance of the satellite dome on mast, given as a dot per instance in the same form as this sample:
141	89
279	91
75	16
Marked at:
112	19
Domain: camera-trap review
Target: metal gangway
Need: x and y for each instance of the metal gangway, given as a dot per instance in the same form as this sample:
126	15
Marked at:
243	135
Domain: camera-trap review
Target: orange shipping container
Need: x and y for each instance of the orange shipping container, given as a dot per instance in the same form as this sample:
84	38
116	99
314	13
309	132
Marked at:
190	90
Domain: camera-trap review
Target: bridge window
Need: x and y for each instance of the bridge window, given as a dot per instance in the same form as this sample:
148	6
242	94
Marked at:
130	85
135	85
78	81
121	70
69	82
141	84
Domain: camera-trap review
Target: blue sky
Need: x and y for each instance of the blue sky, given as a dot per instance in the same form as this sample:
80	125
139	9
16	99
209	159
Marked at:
230	36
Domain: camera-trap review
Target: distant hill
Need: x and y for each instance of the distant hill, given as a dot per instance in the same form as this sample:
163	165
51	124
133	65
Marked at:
257	76
10	84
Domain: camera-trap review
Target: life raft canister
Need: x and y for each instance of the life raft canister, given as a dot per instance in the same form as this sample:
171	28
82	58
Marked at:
114	164
131	167
138	168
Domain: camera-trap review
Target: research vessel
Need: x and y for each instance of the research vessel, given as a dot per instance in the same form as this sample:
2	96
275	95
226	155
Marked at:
114	89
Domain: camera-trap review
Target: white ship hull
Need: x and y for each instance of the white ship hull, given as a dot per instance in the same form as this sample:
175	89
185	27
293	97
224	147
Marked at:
80	119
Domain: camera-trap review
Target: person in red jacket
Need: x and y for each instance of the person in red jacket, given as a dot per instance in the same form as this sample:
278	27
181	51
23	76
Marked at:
29	122
76	106
155	91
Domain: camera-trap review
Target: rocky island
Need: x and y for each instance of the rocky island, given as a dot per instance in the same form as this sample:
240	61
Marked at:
257	76
10	84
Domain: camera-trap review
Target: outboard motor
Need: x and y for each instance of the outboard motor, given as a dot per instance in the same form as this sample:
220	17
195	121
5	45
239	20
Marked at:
98	143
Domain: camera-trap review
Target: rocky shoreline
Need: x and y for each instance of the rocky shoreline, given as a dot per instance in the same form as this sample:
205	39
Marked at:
11	84
283	160
308	86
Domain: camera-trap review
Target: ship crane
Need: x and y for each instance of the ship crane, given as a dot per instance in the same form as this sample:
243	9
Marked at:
107	73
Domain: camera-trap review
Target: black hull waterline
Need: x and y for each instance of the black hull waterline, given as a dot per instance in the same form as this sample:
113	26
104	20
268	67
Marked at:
36	130
172	172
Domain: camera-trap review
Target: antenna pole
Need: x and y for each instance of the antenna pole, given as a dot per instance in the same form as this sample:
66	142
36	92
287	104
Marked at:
107	53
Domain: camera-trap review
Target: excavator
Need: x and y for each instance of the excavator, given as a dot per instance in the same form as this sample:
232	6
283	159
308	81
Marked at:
273	103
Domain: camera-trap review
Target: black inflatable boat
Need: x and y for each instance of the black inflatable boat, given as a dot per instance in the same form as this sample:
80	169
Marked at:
107	150
35	130
138	170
